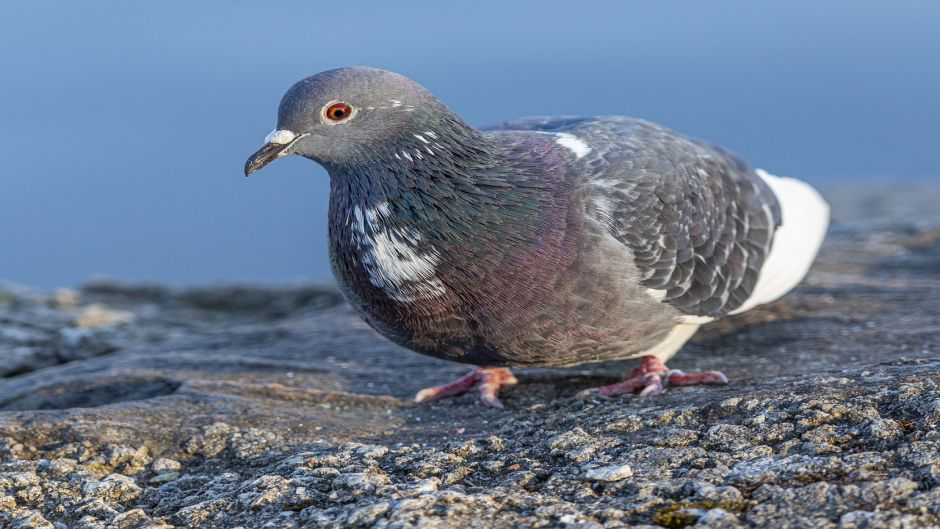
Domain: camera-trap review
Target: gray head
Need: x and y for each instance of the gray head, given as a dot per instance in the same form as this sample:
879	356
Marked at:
351	116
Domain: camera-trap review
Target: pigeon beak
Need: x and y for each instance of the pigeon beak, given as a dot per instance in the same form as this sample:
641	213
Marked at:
276	145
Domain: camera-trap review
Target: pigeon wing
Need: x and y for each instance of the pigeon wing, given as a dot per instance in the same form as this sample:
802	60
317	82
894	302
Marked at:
698	221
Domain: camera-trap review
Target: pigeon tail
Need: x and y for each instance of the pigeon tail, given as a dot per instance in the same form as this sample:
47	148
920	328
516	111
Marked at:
805	221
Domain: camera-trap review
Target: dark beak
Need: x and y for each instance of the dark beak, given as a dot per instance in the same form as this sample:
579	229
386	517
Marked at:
265	155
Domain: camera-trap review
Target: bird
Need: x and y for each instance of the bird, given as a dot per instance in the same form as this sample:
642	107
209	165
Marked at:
541	241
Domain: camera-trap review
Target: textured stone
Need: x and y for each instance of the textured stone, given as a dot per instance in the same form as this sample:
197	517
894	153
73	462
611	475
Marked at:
609	473
242	406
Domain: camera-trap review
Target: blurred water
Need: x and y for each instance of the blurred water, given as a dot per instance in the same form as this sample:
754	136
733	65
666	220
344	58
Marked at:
124	126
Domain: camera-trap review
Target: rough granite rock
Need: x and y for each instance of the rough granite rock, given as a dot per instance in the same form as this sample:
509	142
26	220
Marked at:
136	406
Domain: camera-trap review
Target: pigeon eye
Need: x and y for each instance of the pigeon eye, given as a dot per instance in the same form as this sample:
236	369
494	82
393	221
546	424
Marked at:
338	111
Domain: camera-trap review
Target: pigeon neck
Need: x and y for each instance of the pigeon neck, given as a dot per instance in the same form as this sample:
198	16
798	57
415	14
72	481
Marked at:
424	168
402	221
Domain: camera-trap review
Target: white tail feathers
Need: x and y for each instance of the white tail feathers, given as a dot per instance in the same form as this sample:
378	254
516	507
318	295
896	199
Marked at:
796	242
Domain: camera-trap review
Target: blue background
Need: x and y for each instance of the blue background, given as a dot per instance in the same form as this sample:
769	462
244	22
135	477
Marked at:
124	126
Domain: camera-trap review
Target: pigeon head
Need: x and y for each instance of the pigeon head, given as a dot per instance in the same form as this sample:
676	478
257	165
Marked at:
352	116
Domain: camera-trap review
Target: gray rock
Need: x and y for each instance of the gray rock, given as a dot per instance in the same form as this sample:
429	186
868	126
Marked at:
113	488
278	407
608	473
164	464
30	520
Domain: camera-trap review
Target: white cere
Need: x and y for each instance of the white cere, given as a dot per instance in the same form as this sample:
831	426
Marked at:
280	137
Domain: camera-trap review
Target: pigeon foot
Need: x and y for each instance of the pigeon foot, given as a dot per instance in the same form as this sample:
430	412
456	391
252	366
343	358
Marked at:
653	377
489	379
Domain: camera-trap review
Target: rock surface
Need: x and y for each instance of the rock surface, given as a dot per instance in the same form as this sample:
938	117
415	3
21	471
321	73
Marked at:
135	406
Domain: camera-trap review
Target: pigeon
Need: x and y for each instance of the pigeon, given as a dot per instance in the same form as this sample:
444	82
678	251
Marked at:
539	242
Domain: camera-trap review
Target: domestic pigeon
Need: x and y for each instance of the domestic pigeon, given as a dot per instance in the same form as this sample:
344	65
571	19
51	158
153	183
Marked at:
541	242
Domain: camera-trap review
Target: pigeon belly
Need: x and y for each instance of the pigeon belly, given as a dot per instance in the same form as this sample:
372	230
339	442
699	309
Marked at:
596	310
586	306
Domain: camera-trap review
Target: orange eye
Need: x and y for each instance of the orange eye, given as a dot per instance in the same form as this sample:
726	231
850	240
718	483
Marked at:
338	111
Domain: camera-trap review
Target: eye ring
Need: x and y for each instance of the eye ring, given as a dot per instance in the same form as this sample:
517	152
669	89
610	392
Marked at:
337	112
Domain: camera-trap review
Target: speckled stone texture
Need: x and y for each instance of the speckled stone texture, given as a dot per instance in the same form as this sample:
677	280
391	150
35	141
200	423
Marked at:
142	407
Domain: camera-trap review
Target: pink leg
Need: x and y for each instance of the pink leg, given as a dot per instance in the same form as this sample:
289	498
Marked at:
653	377
489	379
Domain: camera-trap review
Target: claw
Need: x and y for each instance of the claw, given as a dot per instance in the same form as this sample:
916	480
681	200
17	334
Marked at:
654	385
490	380
653	377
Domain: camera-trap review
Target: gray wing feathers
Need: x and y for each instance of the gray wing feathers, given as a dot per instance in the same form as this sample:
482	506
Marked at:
697	219
700	223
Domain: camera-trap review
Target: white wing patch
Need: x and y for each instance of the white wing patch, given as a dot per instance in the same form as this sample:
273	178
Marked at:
658	295
391	258
573	144
805	220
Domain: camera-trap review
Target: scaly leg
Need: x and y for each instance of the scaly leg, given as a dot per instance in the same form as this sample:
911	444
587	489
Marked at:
653	377
489	379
